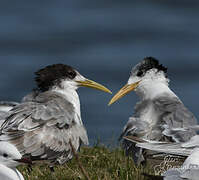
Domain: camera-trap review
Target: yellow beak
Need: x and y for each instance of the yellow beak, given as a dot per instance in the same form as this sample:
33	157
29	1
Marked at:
123	91
93	84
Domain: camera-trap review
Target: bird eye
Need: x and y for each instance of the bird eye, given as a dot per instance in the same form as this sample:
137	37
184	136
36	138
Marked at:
5	155
140	73
71	74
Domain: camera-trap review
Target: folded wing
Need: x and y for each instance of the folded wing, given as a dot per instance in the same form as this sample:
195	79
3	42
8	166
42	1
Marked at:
42	128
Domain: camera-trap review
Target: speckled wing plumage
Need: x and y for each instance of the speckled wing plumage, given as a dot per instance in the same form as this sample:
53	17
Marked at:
43	127
173	118
168	148
5	107
178	149
134	127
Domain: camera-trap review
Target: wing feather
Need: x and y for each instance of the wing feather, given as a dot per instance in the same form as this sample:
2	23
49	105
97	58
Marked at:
173	124
175	115
43	128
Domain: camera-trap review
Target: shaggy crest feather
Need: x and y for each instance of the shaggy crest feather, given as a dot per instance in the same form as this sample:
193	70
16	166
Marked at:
52	75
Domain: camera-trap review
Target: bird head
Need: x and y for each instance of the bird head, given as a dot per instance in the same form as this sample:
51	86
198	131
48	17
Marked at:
10	156
65	77
147	72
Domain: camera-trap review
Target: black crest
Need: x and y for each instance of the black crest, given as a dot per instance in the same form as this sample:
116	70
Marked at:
52	75
150	63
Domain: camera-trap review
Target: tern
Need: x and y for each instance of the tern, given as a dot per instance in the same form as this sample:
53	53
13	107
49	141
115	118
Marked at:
159	110
48	121
9	159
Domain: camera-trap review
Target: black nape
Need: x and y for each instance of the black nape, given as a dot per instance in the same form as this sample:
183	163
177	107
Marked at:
52	75
150	63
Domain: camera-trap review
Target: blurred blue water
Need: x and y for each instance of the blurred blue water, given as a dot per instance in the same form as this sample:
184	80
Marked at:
103	40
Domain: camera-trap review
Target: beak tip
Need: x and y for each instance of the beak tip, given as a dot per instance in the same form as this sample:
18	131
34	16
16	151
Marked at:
109	92
110	103
123	91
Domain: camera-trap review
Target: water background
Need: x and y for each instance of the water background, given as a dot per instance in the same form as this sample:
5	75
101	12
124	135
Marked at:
103	39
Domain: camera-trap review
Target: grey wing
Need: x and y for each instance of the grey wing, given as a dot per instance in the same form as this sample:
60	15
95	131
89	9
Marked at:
175	115
192	143
5	107
183	149
167	148
133	127
43	129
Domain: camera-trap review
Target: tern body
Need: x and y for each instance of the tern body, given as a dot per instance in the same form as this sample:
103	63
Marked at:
159	110
48	121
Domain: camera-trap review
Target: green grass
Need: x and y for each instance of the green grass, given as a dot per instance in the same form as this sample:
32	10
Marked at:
100	163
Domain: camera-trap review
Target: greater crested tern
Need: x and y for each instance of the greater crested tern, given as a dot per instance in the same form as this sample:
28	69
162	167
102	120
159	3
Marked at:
159	111
48	121
9	159
190	150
